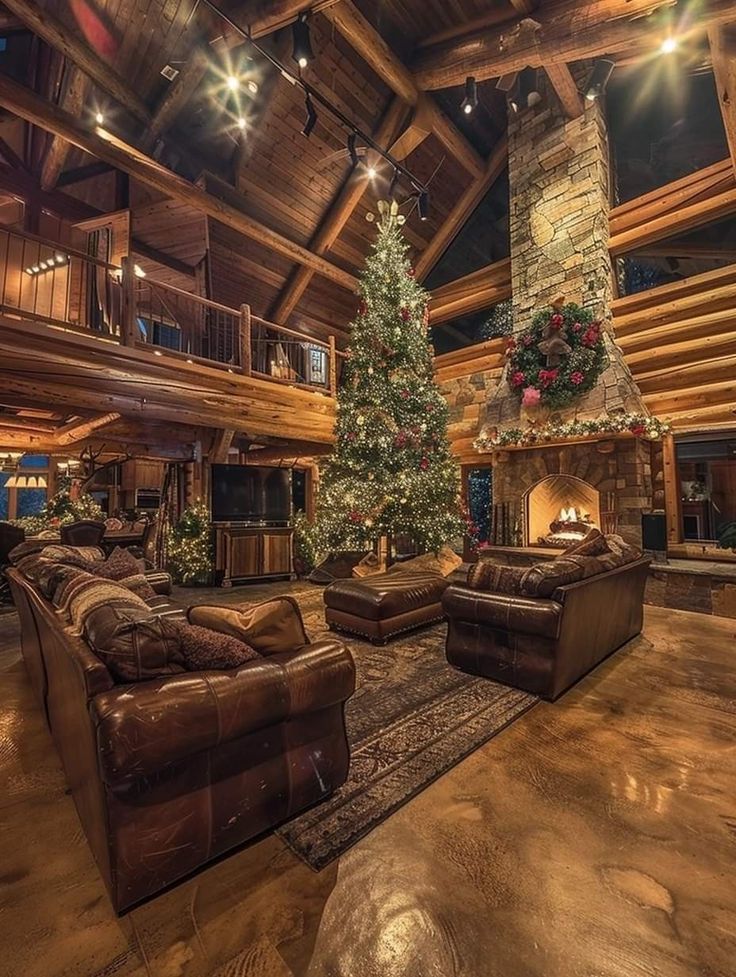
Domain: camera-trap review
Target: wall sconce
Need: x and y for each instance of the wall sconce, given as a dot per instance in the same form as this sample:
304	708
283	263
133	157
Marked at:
22	481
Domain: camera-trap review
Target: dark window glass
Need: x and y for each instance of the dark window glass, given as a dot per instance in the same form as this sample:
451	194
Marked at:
664	122
480	498
31	501
707	477
34	461
299	490
4	476
469	330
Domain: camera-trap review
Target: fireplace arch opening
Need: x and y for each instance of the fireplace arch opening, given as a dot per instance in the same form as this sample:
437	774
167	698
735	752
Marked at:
559	510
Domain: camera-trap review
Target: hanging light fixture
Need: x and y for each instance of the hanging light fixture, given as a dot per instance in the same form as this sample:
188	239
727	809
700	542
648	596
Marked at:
302	51
311	116
352	148
529	93
598	79
423	205
22	481
471	95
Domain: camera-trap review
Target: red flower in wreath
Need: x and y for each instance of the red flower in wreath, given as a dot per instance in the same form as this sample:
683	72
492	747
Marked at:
591	335
510	346
518	379
577	327
548	377
526	339
557	320
424	464
637	430
405	313
577	378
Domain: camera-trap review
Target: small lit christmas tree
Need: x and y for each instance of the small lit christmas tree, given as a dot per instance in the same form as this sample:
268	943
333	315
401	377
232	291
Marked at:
190	546
391	471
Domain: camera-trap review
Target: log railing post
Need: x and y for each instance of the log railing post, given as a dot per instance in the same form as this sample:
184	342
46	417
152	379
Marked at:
127	282
246	349
333	366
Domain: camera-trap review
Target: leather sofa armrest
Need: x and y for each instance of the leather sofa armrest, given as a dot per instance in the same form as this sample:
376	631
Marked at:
144	727
160	581
507	612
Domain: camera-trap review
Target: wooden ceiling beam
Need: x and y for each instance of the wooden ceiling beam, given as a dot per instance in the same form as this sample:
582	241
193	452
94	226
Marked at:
176	97
10	156
80	173
566	90
266	16
26	104
368	43
462	210
338	214
559	32
79	430
57	35
722	41
75	88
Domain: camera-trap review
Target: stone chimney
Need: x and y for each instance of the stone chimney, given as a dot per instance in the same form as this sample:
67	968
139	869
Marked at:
559	203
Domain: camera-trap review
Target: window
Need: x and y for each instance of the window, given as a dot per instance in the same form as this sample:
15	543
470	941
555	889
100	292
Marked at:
707	479
707	248
663	124
477	327
480	498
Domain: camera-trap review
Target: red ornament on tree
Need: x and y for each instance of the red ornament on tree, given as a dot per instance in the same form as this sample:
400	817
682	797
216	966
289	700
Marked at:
637	430
405	313
424	464
410	273
362	308
355	516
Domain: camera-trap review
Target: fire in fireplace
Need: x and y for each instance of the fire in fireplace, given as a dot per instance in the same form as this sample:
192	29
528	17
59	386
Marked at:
560	509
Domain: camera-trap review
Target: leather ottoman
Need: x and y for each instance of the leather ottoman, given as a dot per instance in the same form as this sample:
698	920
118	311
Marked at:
386	604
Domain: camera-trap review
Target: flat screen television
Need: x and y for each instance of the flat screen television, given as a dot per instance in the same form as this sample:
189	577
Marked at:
251	493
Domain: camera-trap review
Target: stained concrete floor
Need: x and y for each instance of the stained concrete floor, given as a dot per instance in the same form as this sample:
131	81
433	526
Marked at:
595	837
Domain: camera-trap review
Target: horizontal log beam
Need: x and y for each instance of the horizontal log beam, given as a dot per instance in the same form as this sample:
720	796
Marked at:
26	104
478	290
559	32
722	41
78	430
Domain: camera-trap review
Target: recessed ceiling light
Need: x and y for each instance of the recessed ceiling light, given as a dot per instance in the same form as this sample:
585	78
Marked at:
99	118
169	72
233	83
668	45
241	123
372	172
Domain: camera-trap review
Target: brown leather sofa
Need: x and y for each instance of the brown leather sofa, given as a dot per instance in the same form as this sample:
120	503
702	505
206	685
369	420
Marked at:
171	772
544	645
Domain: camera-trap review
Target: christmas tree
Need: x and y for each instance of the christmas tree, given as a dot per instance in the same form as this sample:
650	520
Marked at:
391	471
190	546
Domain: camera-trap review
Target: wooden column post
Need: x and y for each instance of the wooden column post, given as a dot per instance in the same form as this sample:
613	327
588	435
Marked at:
671	489
246	351
333	366
128	328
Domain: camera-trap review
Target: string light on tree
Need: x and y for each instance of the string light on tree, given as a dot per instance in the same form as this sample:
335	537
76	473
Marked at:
391	471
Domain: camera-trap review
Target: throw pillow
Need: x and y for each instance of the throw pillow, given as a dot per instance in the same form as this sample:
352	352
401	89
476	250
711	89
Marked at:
592	545
270	627
133	643
94	593
368	566
543	579
138	583
617	545
26	548
119	564
203	648
478	575
504	579
87	557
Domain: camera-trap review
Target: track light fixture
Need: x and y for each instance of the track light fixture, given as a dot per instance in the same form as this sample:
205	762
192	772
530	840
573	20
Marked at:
529	94
311	116
392	185
352	150
423	205
471	95
302	50
598	79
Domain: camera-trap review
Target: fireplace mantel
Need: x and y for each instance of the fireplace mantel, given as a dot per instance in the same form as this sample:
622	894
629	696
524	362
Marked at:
494	454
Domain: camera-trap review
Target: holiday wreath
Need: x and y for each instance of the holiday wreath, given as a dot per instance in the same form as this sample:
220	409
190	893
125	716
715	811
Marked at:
559	357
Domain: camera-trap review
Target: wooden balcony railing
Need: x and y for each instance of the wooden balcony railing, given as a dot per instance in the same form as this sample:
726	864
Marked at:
63	287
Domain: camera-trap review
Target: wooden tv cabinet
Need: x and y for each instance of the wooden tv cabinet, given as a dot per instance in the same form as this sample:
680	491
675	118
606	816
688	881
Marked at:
244	552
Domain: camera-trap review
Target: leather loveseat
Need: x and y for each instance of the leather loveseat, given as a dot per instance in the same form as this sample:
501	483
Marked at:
544	644
171	772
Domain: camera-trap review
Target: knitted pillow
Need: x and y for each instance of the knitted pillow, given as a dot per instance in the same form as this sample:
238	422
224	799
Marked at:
138	583
203	648
133	643
617	544
591	545
478	575
543	579
119	564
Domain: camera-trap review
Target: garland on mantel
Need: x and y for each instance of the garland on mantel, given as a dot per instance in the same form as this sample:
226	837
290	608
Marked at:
640	425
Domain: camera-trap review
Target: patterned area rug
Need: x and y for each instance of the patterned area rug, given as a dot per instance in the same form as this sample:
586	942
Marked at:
412	718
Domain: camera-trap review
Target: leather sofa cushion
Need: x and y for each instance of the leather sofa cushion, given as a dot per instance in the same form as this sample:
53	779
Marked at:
504	611
133	643
386	595
203	648
269	627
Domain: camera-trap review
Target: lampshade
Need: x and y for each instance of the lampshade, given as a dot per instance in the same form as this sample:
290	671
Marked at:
21	481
